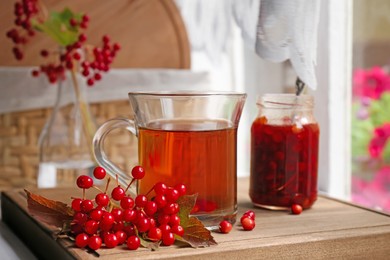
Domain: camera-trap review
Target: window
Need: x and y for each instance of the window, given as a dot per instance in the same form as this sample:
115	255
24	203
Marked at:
371	104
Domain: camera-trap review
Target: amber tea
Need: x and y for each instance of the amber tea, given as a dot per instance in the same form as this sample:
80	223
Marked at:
199	153
184	137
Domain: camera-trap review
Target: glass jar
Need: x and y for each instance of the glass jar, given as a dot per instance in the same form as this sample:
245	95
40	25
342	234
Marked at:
284	152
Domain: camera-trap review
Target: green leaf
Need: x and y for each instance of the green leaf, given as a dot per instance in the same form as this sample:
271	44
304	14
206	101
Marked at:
57	27
195	233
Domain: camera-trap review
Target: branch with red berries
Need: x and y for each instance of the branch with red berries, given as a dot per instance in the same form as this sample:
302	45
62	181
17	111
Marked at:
111	219
67	29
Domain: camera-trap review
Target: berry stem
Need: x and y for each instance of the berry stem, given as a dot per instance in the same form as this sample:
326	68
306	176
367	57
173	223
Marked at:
96	187
149	191
128	186
107	184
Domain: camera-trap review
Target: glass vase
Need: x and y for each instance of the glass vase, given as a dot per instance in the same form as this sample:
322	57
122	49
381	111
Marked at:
65	142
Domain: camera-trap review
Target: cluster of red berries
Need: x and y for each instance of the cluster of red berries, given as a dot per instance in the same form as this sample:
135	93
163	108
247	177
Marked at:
247	222
24	11
92	65
92	62
117	218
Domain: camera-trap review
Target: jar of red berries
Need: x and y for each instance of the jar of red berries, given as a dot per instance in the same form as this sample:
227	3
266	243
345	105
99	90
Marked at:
284	152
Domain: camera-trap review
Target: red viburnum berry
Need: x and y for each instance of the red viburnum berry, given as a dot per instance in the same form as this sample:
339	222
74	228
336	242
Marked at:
248	223
82	240
138	172
117	193
99	173
84	182
133	242
225	226
296	209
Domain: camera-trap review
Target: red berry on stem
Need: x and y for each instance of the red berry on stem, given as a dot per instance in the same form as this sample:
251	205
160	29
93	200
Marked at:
82	37
117	213
35	73
129	215
150	208
118	226
133	243
76	204
81	240
90	82
163	219
165	228
171	208
141	201
172	195
97	76
85	18
155	234
121	235
138	172
160	200
99	173
174	220
225	226
111	240
143	224
86	205
250	214
160	188
118	193
107	219
95	242
91	227
152	222
102	199
130	230
73	22
248	223
296	209
127	202
178	230
80	218
96	214
76	229
44	53
84	182
168	239
181	188
116	47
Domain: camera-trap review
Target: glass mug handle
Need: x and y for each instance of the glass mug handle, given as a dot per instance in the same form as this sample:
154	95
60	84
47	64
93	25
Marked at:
100	154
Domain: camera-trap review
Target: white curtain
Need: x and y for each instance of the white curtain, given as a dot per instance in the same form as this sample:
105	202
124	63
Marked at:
277	30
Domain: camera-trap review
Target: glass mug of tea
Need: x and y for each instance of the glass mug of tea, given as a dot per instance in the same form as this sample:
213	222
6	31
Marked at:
184	138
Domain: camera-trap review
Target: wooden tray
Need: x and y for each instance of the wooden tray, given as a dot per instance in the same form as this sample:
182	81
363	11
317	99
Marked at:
331	229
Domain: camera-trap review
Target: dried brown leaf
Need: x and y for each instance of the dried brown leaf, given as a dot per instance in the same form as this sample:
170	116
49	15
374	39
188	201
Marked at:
49	211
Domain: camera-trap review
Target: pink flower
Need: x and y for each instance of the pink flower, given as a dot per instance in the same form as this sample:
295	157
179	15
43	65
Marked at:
379	140
373	193
370	83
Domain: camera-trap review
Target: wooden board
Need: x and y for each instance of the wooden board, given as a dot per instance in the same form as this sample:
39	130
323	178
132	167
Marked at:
330	230
152	33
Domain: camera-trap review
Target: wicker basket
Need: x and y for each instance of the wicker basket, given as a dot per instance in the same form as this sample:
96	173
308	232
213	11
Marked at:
19	132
